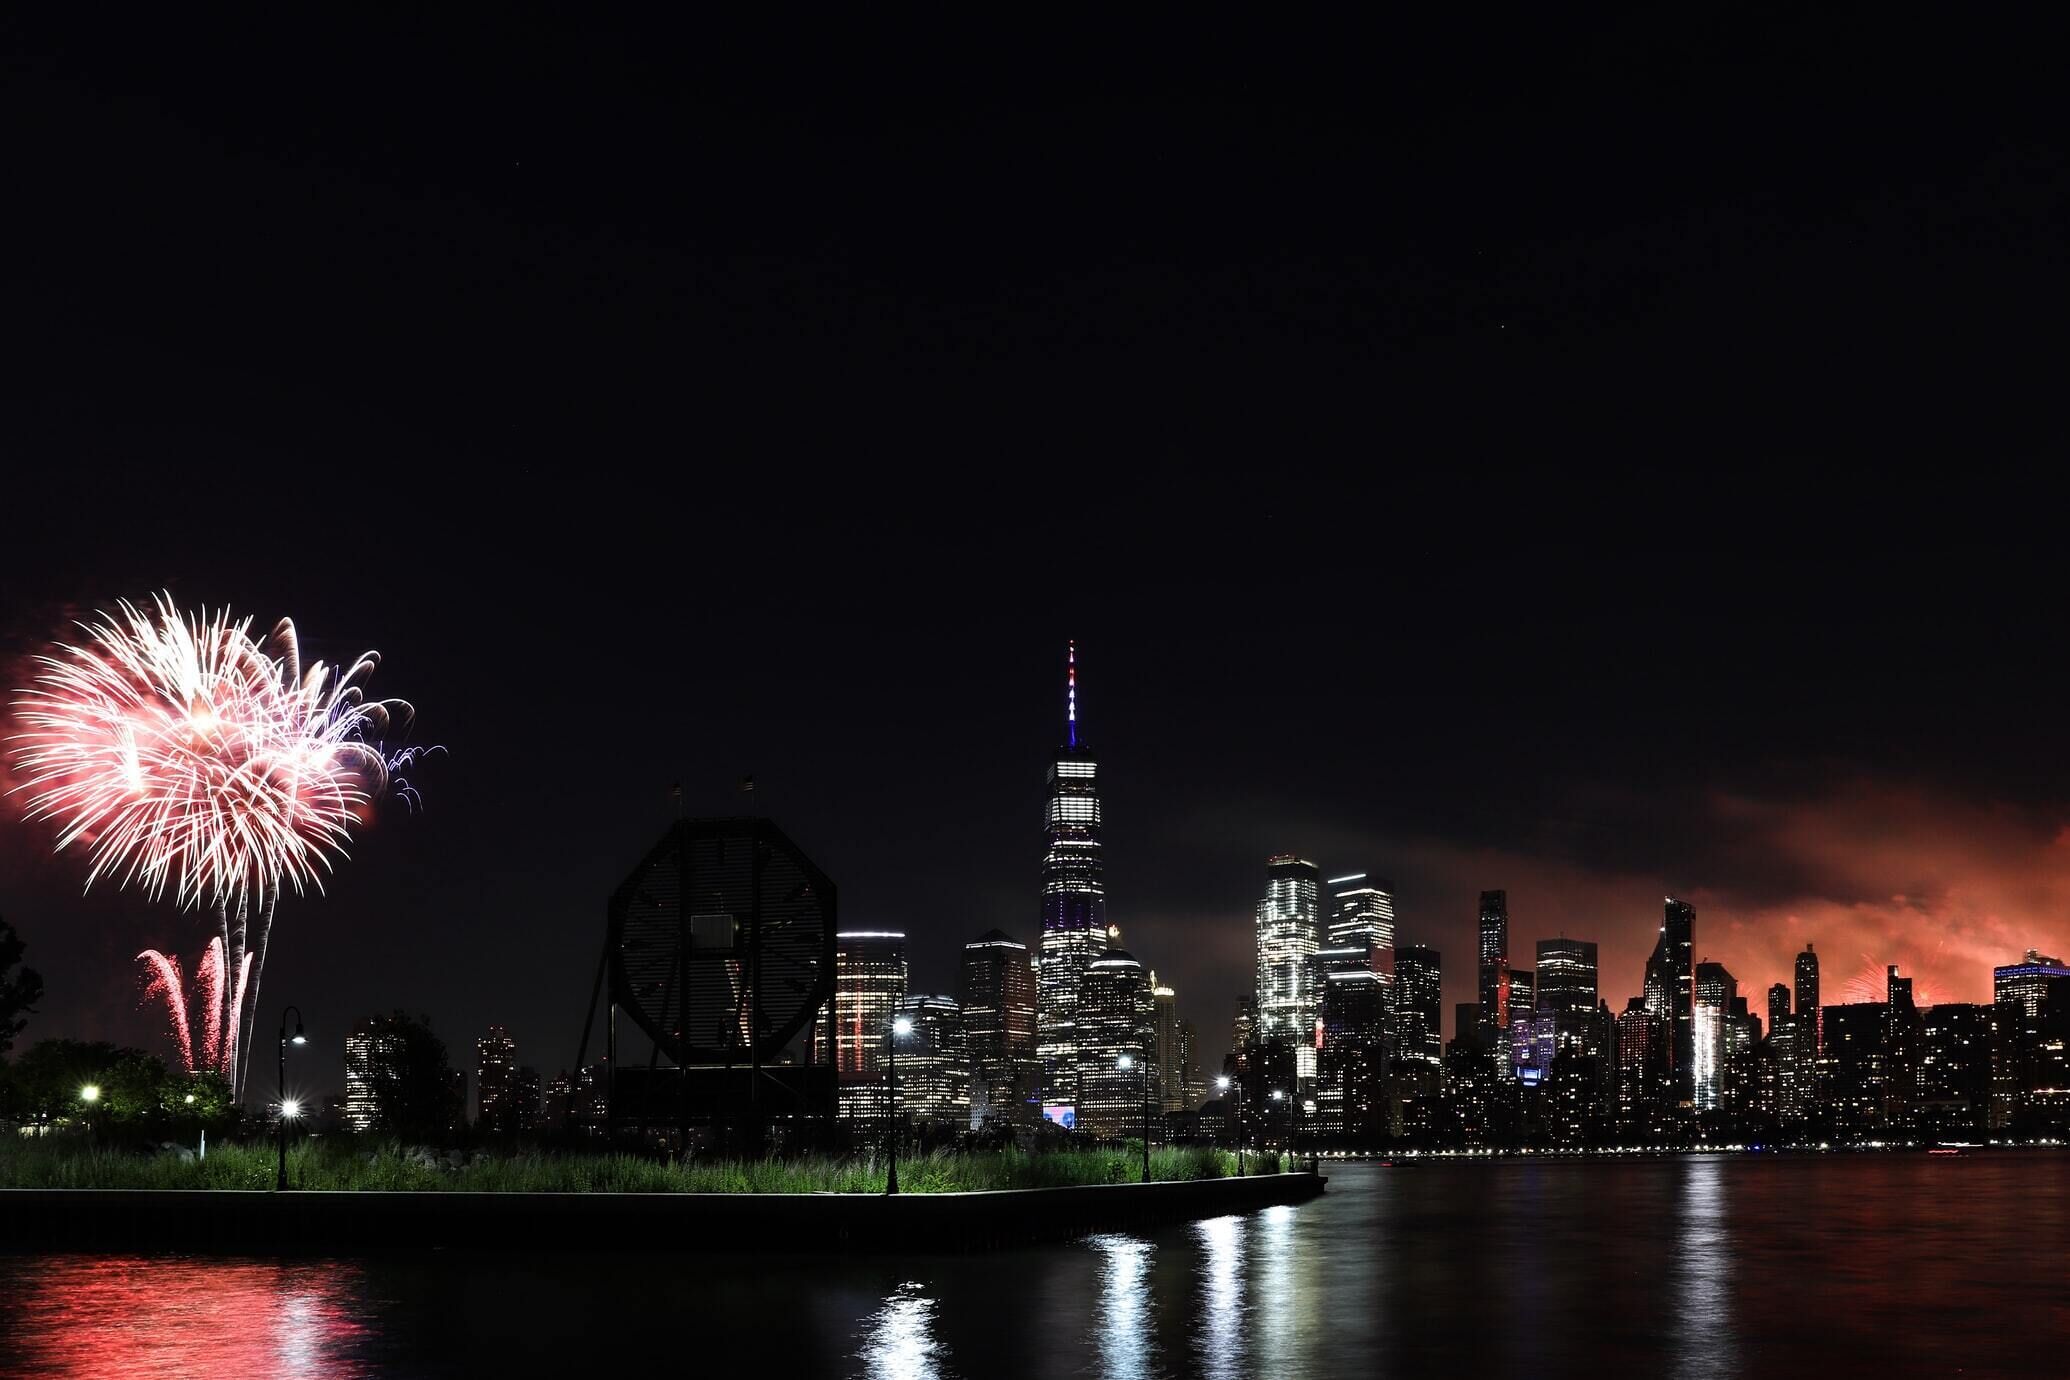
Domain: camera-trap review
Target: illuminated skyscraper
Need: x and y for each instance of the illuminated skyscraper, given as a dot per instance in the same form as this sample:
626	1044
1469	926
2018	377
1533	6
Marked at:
999	1029
1168	1046
1714	991
1074	904
933	1063
1362	913
869	983
2025	984
1115	1022
1642	1065
1567	1016
1808	1009
1778	1007
1418	1004
1351	1065
1494	969
495	1066
1670	992
370	1042
1528	1056
1288	935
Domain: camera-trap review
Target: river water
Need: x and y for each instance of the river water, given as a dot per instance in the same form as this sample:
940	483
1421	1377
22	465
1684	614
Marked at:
1833	1265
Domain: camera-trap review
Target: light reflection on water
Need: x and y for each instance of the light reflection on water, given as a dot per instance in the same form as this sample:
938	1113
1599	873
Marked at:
1691	1266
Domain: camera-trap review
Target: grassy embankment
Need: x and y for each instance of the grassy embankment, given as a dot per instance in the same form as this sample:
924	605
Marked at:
344	1164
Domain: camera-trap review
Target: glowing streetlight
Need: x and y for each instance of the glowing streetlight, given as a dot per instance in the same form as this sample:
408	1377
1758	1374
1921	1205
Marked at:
1225	1083
289	1109
901	1026
190	1099
90	1094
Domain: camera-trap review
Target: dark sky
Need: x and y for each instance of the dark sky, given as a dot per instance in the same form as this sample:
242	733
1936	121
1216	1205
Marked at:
1595	456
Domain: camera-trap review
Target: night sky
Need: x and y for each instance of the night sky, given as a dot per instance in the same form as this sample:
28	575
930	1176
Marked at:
1598	457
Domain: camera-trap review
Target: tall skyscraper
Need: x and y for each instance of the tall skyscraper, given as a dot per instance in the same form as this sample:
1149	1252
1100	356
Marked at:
1418	1004
1074	904
1778	1008
2025	984
1714	991
869	983
1288	937
1527	1056
1168	1046
1362	913
369	1042
1494	969
1670	979
999	1029
1567	1015
1115	1023
934	1063
495	1067
1642	1065
1808	1008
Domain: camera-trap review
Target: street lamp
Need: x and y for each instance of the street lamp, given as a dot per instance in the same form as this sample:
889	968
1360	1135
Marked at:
90	1094
901	1026
1280	1095
1124	1063
1229	1085
288	1109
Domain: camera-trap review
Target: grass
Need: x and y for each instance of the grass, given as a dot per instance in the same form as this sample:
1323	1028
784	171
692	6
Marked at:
345	1164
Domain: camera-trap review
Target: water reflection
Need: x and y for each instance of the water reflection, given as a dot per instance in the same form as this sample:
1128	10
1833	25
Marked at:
1124	1328
1219	1338
899	1341
130	1316
1704	1339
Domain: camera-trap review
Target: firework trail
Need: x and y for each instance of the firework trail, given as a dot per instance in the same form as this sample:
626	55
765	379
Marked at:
183	755
221	1006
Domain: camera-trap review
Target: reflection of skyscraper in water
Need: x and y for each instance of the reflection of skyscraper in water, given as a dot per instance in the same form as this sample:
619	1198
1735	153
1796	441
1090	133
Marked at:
1074	902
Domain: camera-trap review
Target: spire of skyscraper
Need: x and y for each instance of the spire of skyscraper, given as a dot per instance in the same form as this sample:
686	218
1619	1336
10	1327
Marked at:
1074	916
1071	694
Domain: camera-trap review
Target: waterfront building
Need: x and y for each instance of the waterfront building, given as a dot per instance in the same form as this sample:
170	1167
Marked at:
1952	1088
1715	992
1642	1071
1418	1004
1852	1071
1168	1048
998	1000
1115	1022
1288	933
1808	1001
1567	1000
1526	1054
495	1056
869	983
367	1046
933	1063
1074	906
1351	1062
2025	983
1670	989
1362	914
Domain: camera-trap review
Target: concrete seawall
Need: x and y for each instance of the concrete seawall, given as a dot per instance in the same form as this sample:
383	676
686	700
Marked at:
325	1223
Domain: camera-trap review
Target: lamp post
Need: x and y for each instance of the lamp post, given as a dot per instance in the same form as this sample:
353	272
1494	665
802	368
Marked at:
1229	1085
1124	1063
900	1026
287	1109
1280	1095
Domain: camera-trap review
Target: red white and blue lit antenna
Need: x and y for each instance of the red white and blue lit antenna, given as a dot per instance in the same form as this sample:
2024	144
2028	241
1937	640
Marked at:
1071	691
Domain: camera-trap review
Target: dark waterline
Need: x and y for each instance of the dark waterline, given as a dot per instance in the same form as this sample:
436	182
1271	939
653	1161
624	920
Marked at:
1692	1266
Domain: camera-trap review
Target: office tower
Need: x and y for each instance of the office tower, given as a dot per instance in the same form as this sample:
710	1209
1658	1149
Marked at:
1494	968
1807	1002
1288	937
1167	1046
1074	904
1715	990
1567	997
1642	1069
998	994
1243	1032
366	1047
2025	983
1192	1084
1952	1091
524	1087
1852	1071
1362	913
933	1063
1351	1063
495	1065
869	983
1778	1008
1900	1049
1115	1024
1670	993
1522	1044
557	1103
1418	1004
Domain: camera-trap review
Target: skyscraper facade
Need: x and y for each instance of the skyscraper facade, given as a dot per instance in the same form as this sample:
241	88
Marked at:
1714	991
1168	1046
1288	937
869	983
1116	1025
495	1066
1494	969
998	994
1567	1015
1362	913
1418	1004
933	1063
1074	905
1671	972
1811	1021
2025	984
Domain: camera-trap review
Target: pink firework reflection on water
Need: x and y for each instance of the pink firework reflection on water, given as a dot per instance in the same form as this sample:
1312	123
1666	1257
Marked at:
168	1315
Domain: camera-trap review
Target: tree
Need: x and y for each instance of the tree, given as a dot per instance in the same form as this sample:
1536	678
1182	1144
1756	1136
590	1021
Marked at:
416	1094
20	988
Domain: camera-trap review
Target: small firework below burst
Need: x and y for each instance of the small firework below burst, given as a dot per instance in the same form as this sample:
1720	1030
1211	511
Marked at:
222	1006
